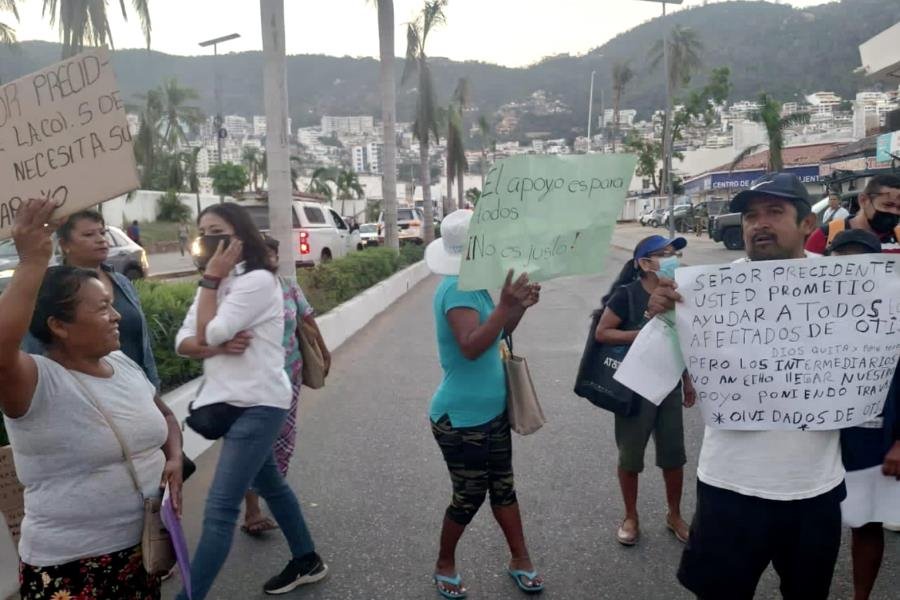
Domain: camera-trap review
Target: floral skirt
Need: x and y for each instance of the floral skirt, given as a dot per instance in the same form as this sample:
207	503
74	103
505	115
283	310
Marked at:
118	575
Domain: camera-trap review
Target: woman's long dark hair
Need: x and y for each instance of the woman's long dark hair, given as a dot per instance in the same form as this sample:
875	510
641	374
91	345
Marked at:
256	254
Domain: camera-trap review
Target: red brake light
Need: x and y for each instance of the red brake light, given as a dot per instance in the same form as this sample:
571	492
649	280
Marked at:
304	242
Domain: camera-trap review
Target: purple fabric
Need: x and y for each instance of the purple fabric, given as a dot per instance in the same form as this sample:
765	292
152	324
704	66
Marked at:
173	525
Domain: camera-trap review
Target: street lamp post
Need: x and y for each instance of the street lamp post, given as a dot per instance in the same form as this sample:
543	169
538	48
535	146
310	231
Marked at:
667	125
590	109
220	130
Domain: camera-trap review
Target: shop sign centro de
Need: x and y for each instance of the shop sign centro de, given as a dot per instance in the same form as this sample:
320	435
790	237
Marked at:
733	181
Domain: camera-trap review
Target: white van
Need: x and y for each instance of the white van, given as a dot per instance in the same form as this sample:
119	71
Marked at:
319	232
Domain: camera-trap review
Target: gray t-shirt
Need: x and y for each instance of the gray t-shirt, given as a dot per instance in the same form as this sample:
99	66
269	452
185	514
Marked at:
80	500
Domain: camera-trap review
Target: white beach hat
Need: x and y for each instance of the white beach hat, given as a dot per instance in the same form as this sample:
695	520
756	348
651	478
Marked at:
444	256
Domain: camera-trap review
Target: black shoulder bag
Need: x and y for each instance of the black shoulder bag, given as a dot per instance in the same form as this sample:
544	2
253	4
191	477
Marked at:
599	363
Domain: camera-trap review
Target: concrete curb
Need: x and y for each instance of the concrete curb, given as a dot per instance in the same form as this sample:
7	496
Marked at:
337	326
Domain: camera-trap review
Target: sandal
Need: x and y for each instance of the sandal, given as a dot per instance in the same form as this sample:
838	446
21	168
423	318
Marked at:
628	537
521	577
442	580
259	526
679	535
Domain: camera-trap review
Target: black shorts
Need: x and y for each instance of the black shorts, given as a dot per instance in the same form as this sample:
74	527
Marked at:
734	538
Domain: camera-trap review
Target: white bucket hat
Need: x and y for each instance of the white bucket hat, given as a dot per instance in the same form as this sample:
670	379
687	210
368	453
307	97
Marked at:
444	256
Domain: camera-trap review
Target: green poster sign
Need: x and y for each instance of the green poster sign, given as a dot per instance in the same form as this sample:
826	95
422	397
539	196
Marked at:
549	216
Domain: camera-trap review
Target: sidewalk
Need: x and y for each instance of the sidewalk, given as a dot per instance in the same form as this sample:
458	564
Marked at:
169	262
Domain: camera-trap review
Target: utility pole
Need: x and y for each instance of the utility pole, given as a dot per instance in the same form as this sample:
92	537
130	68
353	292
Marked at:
277	135
220	132
667	125
590	109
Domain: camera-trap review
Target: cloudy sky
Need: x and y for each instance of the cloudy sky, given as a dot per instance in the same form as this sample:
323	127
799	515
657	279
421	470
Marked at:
508	32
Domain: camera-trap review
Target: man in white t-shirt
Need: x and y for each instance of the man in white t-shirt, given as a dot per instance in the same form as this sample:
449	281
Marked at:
834	212
764	496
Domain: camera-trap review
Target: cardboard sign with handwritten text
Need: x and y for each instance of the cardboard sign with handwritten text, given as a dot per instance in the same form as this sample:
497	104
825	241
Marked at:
548	216
791	344
64	136
12	500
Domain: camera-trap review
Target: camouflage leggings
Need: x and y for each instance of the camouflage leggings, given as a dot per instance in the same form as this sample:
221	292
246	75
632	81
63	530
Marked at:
480	461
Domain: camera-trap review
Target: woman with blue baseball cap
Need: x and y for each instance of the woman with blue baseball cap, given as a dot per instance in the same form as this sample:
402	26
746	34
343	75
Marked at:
624	314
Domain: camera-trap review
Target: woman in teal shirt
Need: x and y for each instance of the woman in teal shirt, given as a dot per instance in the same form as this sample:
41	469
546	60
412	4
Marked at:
468	410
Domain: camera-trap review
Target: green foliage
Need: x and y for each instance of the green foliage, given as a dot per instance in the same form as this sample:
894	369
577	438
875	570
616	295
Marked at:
229	178
171	209
165	306
330	284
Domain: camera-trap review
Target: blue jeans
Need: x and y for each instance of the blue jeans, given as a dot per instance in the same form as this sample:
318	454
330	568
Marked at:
246	461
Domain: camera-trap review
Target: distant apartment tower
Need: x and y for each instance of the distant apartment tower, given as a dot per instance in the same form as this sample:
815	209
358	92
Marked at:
368	158
626	117
359	158
828	100
353	124
375	158
134	123
237	126
259	125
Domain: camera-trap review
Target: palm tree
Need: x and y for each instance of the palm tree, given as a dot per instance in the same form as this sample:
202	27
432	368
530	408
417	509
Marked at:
456	150
7	33
191	176
348	188
84	22
769	114
147	148
487	140
178	118
426	110
622	76
296	163
320	183
684	55
253	158
388	117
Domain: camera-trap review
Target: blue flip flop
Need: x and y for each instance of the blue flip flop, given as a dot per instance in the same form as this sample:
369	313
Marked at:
517	576
456	580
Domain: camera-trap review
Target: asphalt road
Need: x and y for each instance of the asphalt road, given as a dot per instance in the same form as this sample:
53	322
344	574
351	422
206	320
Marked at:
374	487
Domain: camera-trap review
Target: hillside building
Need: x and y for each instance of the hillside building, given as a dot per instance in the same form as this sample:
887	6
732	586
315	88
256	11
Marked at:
347	125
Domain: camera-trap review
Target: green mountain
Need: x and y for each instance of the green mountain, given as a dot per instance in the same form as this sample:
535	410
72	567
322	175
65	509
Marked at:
785	51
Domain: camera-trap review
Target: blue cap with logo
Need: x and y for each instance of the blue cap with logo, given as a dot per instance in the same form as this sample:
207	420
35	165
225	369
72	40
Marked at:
655	243
780	185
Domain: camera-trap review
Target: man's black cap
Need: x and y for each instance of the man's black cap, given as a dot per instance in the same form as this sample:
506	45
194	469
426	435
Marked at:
780	185
848	237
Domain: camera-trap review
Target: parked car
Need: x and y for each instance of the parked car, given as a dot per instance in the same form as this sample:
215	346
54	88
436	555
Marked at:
683	216
368	234
653	217
125	257
410	223
728	230
321	234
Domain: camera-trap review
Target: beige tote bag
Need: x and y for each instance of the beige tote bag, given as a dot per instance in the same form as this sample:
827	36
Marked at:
522	406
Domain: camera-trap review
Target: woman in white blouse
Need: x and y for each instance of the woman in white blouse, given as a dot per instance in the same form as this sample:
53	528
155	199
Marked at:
236	325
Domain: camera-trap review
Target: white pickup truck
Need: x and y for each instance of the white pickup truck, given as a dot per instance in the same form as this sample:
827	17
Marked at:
320	233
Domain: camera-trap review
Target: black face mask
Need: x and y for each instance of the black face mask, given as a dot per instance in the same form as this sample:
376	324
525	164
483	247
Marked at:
882	222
